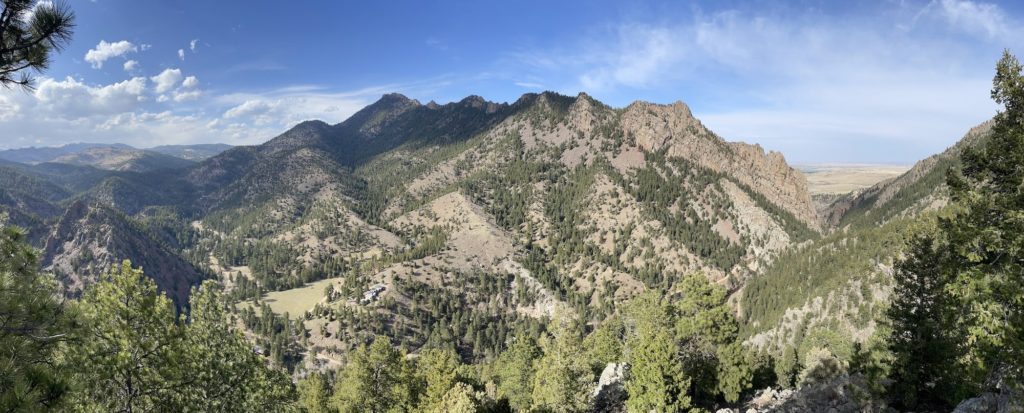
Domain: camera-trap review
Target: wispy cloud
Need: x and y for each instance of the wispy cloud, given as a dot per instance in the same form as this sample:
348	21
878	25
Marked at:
801	81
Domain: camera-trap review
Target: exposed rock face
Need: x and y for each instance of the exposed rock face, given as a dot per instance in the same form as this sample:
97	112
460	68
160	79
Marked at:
986	403
673	128
844	394
1004	402
610	395
90	237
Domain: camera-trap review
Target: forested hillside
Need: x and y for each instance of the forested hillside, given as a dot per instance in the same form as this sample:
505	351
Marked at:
550	254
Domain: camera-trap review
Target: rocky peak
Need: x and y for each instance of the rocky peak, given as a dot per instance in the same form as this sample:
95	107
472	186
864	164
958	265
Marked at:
372	119
305	134
396	99
674	129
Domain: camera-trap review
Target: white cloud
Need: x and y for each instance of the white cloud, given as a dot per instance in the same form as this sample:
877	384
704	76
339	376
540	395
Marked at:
70	110
73	99
817	87
190	82
131	66
974	17
104	51
249	108
529	85
186	95
167	80
192	45
645	55
181	54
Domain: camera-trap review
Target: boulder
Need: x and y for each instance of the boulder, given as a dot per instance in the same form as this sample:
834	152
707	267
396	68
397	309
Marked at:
986	403
610	393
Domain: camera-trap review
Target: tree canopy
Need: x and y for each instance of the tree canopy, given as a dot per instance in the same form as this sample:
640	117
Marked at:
29	32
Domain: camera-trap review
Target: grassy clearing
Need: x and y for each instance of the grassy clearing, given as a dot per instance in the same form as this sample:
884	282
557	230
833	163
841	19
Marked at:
296	301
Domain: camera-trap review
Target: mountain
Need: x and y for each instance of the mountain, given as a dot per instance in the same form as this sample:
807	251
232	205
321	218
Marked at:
89	237
921	188
509	212
191	152
119	157
35	155
122	159
838	285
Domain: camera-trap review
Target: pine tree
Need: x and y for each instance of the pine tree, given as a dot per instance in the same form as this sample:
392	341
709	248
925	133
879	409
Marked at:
923	339
314	394
377	379
656	381
29	32
986	234
704	326
604	345
958	315
128	349
564	379
516	373
459	399
735	374
224	374
33	326
438	371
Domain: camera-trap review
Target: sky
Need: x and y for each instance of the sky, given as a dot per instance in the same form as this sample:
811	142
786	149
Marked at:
821	81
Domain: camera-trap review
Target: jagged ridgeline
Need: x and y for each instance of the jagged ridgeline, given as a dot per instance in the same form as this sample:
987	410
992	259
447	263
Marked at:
511	211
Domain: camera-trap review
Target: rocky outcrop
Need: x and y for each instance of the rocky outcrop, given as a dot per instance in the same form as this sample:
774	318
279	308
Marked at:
89	237
674	129
610	393
1003	402
844	394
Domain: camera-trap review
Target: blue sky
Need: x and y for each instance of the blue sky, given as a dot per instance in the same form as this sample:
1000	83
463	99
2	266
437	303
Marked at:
821	81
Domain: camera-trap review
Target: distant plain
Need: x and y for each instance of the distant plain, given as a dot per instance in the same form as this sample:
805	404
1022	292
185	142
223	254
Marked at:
843	178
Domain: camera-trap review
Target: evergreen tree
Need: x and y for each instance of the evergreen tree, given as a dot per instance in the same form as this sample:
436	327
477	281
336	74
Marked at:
32	326
223	372
516	373
604	345
958	314
704	326
986	235
29	32
656	381
735	374
437	371
564	379
314	394
376	380
131	353
127	351
459	399
923	339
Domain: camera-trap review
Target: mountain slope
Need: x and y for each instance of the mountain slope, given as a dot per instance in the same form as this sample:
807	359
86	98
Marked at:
920	188
90	236
123	159
35	155
191	152
839	285
506	212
